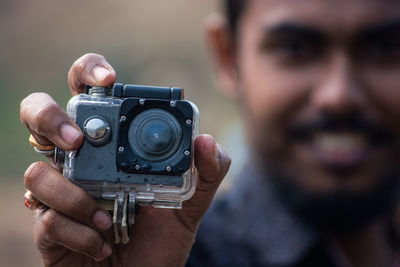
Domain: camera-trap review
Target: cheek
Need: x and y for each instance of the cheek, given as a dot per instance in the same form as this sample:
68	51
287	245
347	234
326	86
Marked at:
383	88
270	96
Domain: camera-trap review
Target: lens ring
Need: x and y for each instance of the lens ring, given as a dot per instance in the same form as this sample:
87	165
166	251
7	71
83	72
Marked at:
155	135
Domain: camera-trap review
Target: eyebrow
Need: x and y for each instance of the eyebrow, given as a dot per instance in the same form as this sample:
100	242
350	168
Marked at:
290	29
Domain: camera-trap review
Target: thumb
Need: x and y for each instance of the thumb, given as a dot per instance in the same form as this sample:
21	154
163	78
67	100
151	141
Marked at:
212	163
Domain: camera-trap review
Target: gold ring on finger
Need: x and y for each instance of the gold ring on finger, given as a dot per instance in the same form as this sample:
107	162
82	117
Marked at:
46	150
31	202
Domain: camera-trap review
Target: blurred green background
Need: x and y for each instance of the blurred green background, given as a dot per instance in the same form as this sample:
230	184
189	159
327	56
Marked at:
147	42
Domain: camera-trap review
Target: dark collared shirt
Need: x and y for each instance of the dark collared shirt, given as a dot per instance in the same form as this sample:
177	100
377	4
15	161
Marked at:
249	226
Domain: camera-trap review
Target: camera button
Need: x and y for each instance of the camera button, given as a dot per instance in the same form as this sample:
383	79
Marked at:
96	129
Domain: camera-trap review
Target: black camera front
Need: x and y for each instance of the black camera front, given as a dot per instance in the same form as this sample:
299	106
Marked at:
155	136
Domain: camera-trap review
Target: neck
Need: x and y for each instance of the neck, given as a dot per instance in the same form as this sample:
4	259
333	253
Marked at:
368	248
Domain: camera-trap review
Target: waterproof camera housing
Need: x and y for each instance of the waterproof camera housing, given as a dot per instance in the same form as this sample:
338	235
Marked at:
138	145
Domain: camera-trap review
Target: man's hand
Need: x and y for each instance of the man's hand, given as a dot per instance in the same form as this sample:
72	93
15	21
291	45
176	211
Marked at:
75	231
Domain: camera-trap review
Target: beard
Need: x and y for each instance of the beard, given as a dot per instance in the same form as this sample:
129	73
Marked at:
338	212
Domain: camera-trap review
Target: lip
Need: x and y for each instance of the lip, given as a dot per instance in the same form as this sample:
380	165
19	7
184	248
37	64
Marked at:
340	159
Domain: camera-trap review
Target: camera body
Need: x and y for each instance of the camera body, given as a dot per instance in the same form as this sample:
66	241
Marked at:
138	142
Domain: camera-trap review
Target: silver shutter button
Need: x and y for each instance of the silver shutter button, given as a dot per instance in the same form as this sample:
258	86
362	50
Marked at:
96	130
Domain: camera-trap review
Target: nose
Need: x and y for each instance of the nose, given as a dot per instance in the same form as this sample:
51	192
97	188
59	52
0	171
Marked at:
339	91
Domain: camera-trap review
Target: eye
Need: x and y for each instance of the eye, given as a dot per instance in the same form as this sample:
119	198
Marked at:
385	51
294	50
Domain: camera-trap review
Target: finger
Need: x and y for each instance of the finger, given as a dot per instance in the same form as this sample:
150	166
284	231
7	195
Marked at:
212	163
48	122
51	188
90	69
52	228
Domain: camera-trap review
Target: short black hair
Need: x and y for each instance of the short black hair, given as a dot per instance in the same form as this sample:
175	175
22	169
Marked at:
233	10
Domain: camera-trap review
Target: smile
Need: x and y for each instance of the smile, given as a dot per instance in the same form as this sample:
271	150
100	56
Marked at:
341	149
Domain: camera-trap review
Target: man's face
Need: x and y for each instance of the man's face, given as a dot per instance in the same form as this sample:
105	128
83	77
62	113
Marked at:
319	85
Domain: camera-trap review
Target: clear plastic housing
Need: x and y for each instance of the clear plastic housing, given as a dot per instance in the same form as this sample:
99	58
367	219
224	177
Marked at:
159	195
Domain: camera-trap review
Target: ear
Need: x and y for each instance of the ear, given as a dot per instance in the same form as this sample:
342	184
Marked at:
222	48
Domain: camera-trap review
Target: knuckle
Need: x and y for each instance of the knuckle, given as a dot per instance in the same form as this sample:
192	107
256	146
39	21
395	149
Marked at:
93	243
93	56
92	240
30	102
23	110
82	63
35	170
79	66
24	105
78	199
45	115
81	71
49	223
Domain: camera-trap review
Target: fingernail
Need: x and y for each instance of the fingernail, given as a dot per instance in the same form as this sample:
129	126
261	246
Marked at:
218	152
106	250
100	73
222	156
69	133
101	220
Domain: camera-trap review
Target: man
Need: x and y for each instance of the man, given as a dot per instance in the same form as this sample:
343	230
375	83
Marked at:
318	85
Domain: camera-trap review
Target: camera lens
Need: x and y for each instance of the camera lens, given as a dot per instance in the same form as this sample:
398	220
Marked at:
155	135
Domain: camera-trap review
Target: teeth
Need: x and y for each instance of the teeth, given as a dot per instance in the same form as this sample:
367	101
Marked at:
339	141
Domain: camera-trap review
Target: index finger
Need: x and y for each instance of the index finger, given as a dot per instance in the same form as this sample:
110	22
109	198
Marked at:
90	69
49	123
52	189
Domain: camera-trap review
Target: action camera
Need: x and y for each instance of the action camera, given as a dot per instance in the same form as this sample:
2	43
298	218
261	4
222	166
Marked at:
137	148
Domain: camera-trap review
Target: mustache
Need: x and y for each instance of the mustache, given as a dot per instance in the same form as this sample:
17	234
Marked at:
356	123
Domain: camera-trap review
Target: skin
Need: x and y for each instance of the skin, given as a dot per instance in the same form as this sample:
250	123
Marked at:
66	234
294	61
278	87
280	78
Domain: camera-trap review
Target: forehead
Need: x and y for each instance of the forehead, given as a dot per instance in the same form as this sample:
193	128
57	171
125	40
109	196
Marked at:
336	15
